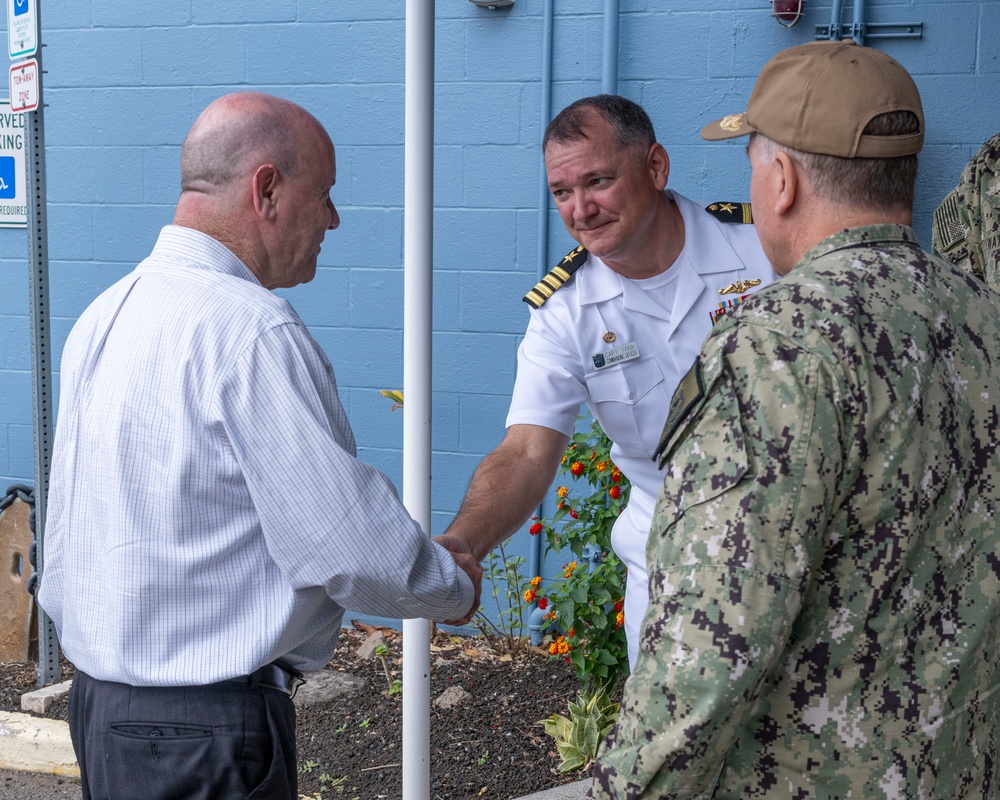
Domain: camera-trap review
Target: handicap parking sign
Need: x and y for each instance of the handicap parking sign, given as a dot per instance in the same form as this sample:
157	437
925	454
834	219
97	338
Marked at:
8	178
13	189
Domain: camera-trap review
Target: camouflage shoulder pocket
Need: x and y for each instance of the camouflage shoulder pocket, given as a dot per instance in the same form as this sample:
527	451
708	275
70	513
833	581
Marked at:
687	399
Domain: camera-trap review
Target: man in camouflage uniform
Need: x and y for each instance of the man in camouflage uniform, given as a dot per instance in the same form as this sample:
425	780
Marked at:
967	223
825	555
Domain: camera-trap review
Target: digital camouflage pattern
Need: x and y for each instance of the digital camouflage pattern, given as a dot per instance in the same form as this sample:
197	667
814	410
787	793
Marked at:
967	223
825	556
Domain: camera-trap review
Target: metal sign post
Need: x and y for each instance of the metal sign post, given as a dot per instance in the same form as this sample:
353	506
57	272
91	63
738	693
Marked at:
24	28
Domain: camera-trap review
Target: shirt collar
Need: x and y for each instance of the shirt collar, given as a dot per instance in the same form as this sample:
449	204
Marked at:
863	236
196	249
704	249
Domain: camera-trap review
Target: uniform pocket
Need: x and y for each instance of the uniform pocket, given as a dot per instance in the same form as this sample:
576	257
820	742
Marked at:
630	402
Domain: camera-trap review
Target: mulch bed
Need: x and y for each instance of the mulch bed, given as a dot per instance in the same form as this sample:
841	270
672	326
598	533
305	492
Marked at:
490	745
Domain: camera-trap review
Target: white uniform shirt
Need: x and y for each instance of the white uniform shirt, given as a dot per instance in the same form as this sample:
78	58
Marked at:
556	370
206	512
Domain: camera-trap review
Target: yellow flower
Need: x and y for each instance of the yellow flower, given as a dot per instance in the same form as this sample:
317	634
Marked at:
569	569
536	581
563	647
562	491
600	466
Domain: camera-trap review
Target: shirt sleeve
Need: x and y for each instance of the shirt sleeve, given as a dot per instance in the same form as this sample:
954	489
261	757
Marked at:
753	459
329	519
549	387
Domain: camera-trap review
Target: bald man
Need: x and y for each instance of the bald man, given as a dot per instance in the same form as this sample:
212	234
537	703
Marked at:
208	521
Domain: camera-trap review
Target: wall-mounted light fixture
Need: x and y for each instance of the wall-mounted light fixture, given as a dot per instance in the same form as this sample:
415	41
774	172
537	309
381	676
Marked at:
492	3
787	12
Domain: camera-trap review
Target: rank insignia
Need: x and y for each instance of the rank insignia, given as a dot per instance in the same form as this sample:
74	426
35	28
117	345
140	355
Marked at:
609	337
555	278
731	212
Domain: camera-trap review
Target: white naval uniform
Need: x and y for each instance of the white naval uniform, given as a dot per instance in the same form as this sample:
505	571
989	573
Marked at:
556	372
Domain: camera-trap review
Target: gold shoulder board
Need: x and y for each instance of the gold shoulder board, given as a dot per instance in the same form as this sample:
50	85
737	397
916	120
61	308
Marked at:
555	278
730	212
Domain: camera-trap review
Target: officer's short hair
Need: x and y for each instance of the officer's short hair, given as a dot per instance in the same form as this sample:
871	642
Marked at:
628	120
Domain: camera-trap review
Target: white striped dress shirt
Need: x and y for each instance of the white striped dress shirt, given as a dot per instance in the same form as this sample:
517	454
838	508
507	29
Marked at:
206	511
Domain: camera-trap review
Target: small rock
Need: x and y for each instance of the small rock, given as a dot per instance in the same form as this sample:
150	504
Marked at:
40	700
451	697
324	686
367	649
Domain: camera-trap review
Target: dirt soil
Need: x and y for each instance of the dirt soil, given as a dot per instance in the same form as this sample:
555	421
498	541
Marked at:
490	745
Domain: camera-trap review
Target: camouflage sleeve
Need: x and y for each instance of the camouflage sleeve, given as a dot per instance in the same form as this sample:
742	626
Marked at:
753	457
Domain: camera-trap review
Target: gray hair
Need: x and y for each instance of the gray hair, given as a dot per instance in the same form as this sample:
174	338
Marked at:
871	183
227	144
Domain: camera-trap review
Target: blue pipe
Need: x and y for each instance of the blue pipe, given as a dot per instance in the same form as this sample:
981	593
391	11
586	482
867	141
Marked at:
836	33
858	27
535	547
609	57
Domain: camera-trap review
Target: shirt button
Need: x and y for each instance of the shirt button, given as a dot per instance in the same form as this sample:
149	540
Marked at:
631	395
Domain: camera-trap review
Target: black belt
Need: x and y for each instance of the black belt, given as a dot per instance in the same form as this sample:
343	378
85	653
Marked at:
276	675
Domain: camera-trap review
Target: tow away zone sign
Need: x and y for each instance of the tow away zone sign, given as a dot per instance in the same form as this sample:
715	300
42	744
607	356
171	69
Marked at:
24	85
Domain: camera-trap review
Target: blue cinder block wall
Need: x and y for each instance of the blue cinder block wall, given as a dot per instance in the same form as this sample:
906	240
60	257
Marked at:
124	81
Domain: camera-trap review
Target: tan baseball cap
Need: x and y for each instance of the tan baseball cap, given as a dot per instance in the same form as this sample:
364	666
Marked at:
818	98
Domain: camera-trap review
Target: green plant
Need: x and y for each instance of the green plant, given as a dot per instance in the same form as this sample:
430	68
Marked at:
307	766
579	736
395	686
365	722
586	607
509	592
483	758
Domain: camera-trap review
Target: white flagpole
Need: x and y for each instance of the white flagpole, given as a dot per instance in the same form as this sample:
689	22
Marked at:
418	216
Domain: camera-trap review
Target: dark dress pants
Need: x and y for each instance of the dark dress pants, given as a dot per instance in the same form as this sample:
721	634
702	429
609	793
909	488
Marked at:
225	741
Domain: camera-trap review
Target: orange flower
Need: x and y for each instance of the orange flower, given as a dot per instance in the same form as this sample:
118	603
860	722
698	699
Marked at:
577	468
536	581
616	475
562	491
564	647
620	618
529	595
600	466
569	569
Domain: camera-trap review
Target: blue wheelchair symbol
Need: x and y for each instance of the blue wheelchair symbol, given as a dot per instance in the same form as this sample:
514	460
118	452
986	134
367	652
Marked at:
8	185
20	7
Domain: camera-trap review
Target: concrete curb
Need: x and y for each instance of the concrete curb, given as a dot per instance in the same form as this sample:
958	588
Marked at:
568	791
36	744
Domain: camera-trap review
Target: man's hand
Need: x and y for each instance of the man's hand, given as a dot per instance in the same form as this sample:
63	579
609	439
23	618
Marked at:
467	562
